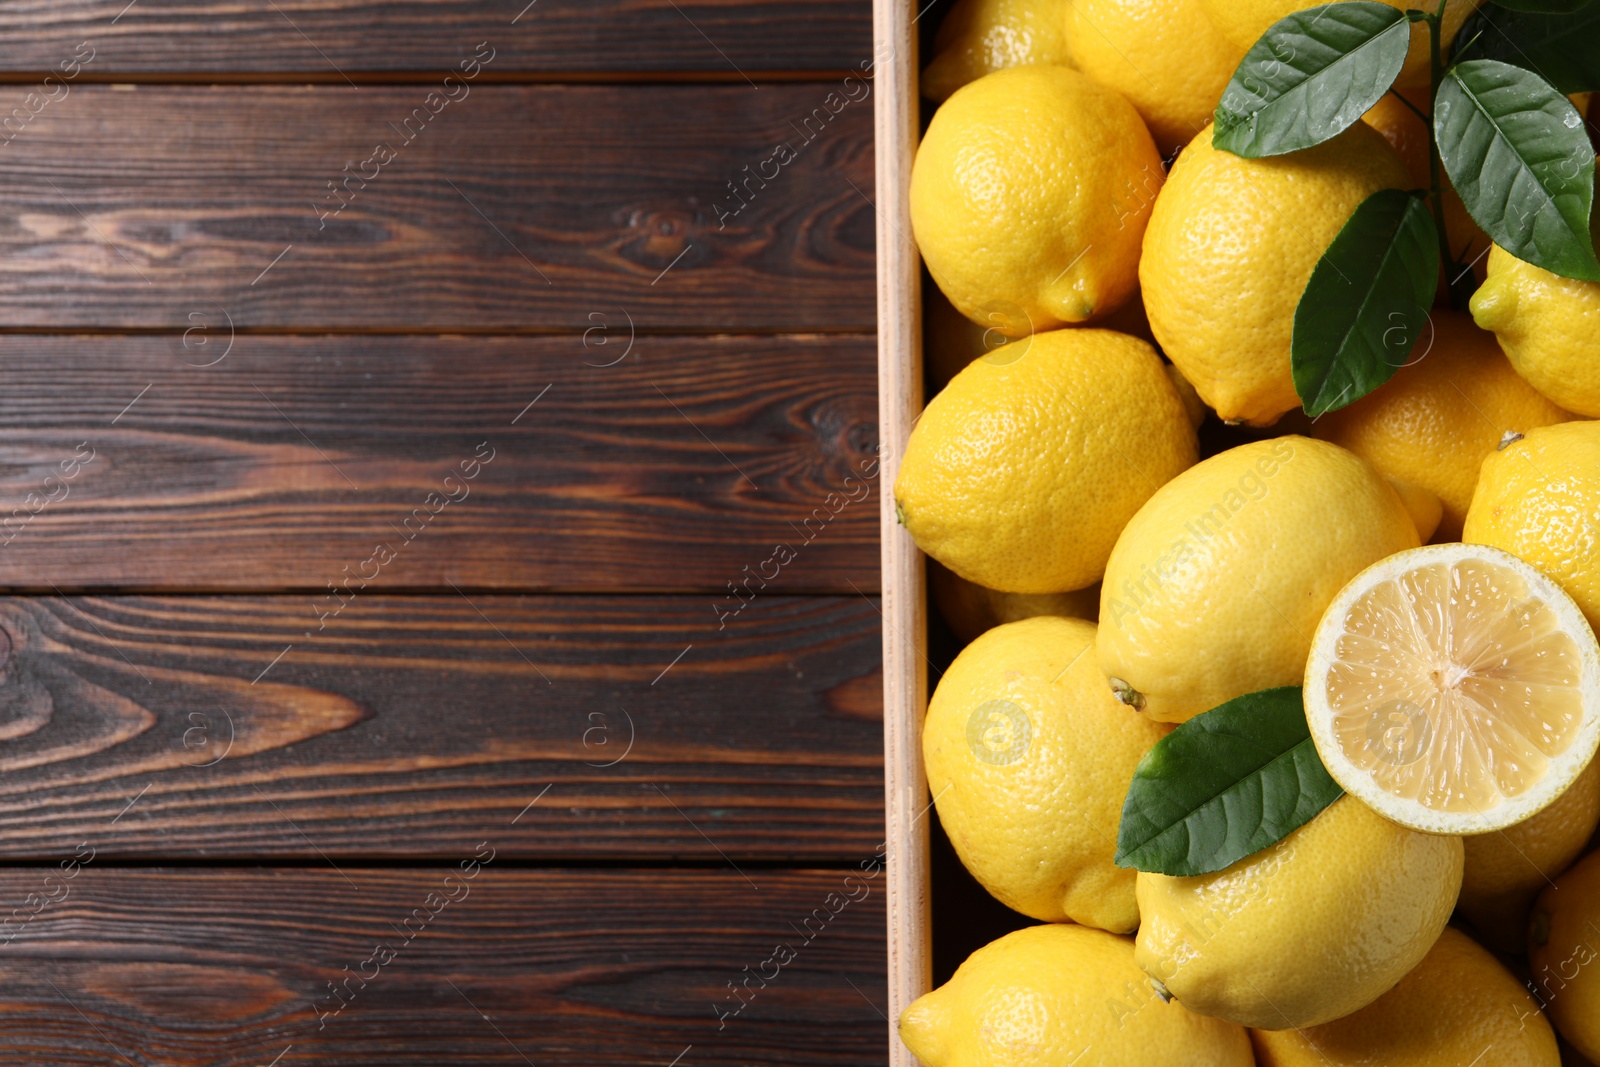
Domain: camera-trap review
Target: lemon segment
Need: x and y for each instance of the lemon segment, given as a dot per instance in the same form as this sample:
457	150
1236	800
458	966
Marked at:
1454	689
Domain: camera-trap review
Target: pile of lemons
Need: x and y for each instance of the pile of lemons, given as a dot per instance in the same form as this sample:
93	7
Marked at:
1130	522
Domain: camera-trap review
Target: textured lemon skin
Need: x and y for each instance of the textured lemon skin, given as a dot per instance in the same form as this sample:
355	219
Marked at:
1019	475
1165	57
1564	954
1547	325
1539	499
950	340
1307	931
979	37
1230	246
970	609
1035	820
1031	191
1244	21
1059	996
1506	871
1435	421
1216	585
1458	1004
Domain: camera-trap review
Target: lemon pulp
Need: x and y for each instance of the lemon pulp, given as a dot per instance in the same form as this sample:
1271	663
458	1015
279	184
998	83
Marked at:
1453	688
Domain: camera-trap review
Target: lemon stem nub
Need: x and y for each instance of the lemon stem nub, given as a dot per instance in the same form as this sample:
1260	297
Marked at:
1161	991
1510	438
1127	694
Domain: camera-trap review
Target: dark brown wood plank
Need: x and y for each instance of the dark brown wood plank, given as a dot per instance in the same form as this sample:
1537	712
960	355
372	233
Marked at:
559	967
680	466
514	208
600	727
327	38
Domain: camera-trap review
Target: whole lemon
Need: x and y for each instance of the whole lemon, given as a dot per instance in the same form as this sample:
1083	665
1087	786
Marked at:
1166	58
1216	585
1506	870
1313	928
1538	497
1244	21
970	609
1436	420
1049	996
1028	760
1020	474
1547	325
1456	1006
1229	249
1031	190
1564	954
979	37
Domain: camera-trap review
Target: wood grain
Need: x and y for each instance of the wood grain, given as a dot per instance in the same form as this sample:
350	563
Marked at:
229	968
327	38
515	208
601	727
673	463
905	601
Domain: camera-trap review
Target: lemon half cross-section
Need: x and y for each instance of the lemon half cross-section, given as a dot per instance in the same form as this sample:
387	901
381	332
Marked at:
1454	688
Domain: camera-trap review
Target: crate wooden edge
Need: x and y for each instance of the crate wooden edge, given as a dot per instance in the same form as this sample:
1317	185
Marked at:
905	677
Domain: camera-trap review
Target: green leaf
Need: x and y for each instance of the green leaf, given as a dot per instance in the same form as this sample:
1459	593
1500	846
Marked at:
1366	303
1311	76
1517	152
1562	7
1223	786
1563	49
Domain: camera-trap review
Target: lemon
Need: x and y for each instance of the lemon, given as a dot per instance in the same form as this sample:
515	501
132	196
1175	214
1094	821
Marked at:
1021	473
1166	58
970	609
979	37
1216	584
1506	870
1309	930
1436	420
1028	760
1230	246
1058	996
1193	406
1564	954
1031	190
950	340
1459	1007
1244	21
1547	325
1539	498
1425	509
1454	688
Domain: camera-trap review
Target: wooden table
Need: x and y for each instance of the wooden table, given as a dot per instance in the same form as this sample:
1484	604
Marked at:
439	532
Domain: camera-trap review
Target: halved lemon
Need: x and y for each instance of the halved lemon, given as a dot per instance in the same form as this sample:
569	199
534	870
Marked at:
1454	689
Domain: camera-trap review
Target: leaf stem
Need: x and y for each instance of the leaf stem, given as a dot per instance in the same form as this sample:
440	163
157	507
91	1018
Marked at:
1415	110
1455	274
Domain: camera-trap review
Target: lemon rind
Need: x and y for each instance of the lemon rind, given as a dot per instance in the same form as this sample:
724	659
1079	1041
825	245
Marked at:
1565	768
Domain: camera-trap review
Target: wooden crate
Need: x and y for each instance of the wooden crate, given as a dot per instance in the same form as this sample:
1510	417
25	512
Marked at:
905	663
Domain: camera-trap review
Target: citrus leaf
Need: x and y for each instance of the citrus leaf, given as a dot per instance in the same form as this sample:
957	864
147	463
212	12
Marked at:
1311	76
1560	7
1224	786
1517	152
1562	49
1366	302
